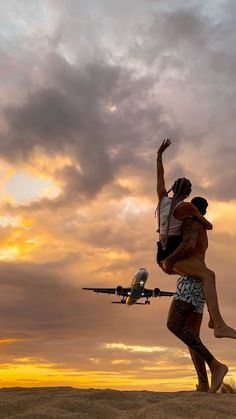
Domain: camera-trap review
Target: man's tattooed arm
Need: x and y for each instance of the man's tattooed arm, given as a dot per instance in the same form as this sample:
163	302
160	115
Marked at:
187	245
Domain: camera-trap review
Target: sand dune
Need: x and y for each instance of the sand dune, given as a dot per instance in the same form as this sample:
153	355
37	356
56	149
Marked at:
66	402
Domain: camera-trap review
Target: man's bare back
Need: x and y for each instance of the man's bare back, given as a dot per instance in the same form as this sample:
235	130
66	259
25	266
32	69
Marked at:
194	242
199	251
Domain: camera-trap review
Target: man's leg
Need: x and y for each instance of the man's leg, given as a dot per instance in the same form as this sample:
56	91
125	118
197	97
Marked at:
194	321
194	268
176	323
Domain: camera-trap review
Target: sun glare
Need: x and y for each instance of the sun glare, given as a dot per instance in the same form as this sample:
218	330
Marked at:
111	108
23	187
7	220
15	247
9	253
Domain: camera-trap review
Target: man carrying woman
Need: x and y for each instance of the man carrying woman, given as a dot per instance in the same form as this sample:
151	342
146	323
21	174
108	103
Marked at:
171	212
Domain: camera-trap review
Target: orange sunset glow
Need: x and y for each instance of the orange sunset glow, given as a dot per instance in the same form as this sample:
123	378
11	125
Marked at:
84	108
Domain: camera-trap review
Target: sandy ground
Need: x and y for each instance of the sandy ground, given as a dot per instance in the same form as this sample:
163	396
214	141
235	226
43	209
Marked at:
66	402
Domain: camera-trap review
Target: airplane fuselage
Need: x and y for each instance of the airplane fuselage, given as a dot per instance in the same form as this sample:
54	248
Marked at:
137	286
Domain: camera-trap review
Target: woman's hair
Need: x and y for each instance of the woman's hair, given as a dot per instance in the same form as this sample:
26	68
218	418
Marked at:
182	186
181	189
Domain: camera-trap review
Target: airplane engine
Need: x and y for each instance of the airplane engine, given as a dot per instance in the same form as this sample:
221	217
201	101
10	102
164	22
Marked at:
156	292
119	290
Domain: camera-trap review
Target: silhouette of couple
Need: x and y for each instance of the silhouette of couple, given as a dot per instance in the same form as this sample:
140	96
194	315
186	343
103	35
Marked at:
181	250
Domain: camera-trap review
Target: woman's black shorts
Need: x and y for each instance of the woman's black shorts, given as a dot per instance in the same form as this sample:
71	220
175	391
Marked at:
172	244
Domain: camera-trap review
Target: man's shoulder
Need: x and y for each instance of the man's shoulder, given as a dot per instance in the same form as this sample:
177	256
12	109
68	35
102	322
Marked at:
194	224
191	221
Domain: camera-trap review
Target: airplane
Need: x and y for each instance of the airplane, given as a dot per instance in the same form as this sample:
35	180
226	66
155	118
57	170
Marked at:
136	290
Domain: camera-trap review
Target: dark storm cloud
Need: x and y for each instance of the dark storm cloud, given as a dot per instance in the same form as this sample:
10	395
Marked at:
44	120
180	26
61	124
67	114
196	49
75	117
190	46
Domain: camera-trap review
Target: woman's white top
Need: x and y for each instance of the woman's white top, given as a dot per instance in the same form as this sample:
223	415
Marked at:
175	225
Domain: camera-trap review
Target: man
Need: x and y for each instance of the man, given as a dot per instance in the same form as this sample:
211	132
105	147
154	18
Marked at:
186	311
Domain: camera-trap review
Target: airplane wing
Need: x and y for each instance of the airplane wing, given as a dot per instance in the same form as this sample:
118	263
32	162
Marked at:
124	292
166	294
156	292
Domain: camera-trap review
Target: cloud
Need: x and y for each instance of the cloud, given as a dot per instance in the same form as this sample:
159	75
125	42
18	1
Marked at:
72	118
87	107
40	304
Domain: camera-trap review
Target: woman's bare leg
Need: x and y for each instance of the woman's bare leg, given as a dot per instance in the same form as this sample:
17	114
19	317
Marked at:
196	269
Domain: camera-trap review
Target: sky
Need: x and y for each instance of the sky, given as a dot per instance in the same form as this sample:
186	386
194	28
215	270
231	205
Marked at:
88	92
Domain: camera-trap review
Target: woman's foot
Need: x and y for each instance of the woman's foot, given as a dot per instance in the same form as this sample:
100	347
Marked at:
225	332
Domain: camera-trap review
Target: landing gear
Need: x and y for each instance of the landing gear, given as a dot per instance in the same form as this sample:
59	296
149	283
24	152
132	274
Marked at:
147	302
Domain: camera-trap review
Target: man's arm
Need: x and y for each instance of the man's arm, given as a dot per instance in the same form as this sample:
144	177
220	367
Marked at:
187	245
161	189
186	209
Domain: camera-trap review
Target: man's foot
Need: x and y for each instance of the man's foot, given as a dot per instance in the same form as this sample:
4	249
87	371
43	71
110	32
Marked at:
225	332
218	371
204	387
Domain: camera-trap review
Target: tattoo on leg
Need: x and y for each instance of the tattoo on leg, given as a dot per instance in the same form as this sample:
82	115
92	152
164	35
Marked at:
176	324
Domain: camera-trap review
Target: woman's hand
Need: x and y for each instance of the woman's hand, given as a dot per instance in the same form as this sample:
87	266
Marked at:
165	144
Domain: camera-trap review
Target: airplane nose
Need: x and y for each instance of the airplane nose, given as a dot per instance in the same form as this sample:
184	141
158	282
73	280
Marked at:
141	274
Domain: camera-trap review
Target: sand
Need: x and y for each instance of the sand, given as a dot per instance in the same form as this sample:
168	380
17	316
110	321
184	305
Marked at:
67	402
